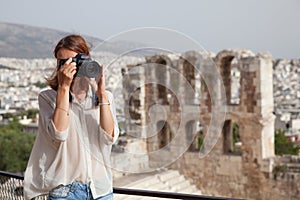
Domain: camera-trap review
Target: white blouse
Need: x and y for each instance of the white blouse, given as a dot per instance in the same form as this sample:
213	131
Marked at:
81	153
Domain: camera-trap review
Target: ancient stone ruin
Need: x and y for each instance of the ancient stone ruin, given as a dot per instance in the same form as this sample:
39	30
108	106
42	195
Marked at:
215	115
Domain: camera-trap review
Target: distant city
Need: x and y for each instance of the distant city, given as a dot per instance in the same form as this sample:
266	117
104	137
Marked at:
22	79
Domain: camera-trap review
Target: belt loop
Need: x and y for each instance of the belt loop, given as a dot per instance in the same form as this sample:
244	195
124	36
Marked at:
74	186
88	190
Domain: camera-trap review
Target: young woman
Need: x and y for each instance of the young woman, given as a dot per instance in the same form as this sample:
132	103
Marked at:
77	127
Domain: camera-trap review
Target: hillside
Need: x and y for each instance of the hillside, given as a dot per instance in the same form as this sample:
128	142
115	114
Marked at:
22	41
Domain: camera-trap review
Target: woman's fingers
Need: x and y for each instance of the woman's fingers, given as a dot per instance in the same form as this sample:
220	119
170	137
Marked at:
68	67
101	81
92	82
67	72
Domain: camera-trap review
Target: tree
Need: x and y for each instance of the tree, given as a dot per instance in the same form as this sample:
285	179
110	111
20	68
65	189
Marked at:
283	145
30	113
40	84
15	147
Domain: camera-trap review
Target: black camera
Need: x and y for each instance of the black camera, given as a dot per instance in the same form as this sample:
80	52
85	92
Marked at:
85	66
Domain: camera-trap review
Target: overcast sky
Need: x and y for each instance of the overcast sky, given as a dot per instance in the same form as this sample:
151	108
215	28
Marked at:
265	25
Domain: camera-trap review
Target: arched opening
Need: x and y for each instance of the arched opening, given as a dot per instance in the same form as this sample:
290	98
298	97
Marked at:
194	135
235	83
237	143
134	106
232	79
231	138
189	74
164	134
161	76
173	102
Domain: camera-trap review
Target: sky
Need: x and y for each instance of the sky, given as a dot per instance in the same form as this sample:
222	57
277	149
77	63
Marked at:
260	26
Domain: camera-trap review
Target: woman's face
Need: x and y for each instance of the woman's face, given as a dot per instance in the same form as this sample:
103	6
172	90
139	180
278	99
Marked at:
79	84
64	54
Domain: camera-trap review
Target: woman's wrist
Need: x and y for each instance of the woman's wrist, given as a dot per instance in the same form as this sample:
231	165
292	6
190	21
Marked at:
63	88
66	110
62	98
102	97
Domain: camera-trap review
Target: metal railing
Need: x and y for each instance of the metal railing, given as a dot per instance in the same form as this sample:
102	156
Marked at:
11	188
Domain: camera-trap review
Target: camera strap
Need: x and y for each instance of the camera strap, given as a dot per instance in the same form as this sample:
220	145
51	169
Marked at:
95	99
70	97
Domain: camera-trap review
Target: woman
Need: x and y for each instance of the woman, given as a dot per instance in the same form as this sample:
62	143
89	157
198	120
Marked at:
70	157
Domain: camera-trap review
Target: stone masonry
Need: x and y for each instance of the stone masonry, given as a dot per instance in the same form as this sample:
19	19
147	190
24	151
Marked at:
168	101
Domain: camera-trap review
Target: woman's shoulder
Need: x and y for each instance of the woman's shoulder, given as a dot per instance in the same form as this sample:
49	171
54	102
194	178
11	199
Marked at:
47	93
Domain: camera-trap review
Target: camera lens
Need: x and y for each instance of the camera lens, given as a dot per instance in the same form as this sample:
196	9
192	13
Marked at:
92	69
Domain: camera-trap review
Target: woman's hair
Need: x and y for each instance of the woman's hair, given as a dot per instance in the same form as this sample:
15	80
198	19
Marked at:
74	43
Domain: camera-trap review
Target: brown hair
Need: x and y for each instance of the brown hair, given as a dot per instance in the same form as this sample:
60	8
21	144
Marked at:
74	43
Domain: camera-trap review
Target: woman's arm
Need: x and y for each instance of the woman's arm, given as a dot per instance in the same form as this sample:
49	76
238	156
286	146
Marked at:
106	118
61	112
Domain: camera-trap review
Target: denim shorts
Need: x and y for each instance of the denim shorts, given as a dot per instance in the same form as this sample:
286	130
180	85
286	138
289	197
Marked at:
76	191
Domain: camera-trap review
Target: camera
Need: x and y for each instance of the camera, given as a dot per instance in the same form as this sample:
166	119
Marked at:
85	66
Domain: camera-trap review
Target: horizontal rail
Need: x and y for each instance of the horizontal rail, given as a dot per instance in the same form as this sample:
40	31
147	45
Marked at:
138	192
11	175
169	195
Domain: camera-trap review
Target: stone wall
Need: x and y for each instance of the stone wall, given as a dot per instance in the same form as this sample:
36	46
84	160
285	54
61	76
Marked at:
166	93
229	176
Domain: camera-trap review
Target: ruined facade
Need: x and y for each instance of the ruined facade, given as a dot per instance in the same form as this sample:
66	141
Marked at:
171	101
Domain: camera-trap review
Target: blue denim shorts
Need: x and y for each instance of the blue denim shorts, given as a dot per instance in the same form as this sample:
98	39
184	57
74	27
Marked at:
76	191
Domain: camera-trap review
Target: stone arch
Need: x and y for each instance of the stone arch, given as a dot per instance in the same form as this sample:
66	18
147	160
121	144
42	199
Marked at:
161	73
229	63
189	65
164	134
192	134
232	144
187	68
134	103
189	73
238	53
162	90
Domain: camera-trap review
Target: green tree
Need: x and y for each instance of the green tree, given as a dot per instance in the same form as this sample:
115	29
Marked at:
283	145
15	147
30	113
235	132
41	84
200	141
8	115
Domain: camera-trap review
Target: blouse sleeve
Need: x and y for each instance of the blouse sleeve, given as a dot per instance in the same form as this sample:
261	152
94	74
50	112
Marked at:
47	105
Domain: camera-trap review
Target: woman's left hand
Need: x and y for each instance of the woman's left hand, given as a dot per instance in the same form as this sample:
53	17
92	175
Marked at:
99	86
106	117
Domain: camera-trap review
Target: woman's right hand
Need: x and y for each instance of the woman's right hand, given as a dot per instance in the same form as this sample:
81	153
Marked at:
65	77
66	73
